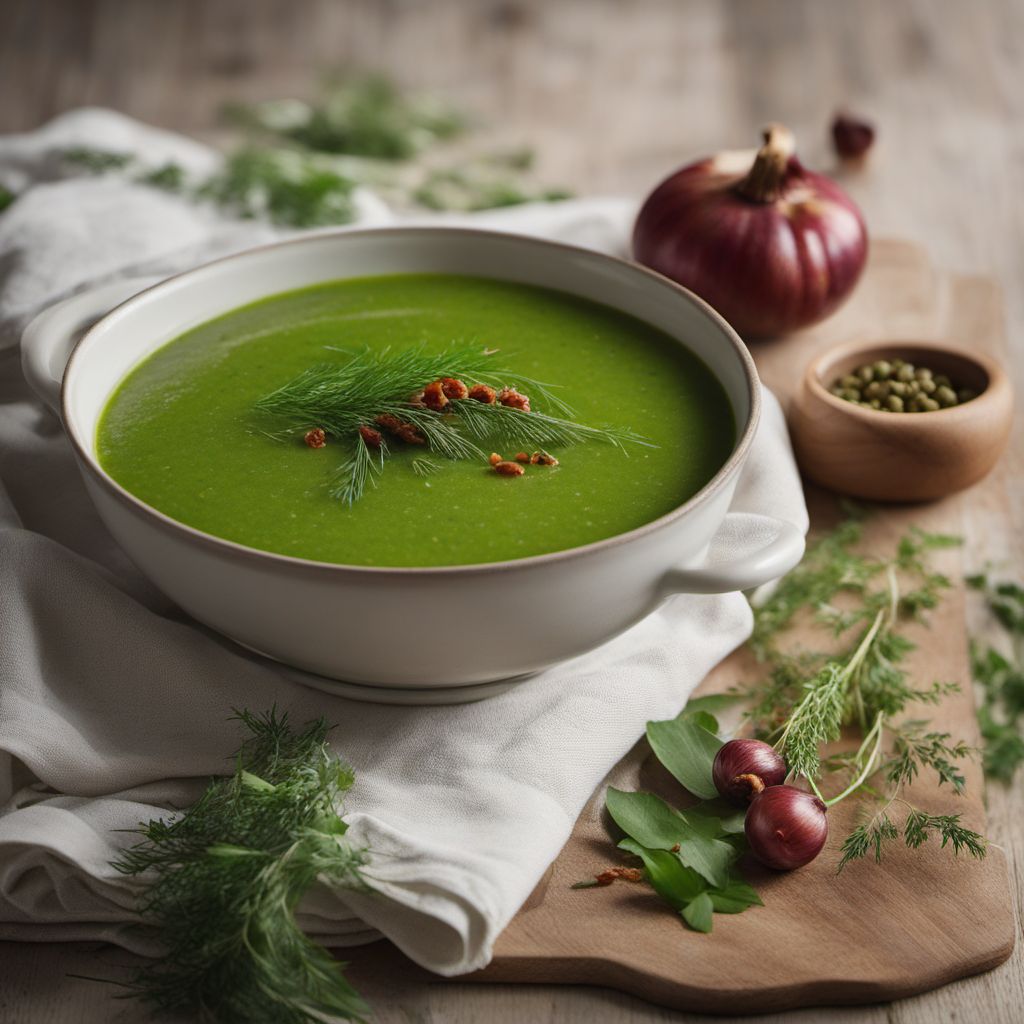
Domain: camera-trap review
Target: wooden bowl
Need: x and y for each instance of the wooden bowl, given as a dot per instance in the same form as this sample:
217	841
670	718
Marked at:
887	456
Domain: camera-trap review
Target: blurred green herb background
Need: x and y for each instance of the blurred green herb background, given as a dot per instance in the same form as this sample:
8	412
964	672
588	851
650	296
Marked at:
298	164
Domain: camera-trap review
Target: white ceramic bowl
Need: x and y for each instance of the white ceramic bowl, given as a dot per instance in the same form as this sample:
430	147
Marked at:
458	624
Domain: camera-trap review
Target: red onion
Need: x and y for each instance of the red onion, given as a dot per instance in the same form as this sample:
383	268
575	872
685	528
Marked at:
851	136
770	245
744	768
786	827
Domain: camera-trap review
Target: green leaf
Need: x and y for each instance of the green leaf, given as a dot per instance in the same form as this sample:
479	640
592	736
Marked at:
735	897
710	858
697	913
704	719
647	818
729	820
687	751
712	702
675	884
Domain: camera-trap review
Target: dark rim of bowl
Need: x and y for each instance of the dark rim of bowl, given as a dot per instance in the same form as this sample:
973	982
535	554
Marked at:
840	353
232	548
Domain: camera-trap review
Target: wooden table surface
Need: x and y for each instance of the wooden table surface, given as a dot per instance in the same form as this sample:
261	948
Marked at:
613	94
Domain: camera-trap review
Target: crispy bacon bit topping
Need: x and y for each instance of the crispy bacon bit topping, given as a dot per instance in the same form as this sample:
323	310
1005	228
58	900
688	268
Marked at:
453	388
626	874
371	438
542	458
482	393
511	398
406	432
315	438
434	396
495	459
522	457
389	422
508	469
409	434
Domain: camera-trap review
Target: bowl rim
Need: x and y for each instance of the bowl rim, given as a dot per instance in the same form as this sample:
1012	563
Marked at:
246	553
997	380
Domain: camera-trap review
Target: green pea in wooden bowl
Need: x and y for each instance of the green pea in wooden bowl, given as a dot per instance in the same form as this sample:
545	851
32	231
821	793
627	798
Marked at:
900	456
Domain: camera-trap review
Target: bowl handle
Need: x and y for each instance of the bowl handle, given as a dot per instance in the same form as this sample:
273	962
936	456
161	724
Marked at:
47	341
747	551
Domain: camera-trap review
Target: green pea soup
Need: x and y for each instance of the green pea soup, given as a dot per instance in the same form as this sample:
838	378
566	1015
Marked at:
180	432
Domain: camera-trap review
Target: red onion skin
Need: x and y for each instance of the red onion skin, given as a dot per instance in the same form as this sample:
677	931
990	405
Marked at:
739	758
768	267
786	827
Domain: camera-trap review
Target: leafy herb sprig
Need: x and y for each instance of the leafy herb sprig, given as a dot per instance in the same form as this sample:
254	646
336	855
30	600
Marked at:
810	697
341	397
224	879
1000	677
862	602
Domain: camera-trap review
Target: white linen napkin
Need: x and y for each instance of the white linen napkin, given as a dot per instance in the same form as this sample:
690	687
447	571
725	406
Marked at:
114	706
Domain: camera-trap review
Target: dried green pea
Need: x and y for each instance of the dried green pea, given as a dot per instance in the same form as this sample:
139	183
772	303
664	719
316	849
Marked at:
875	404
898	388
894	403
876	389
850	395
945	396
927	385
942	380
905	372
922	373
965	395
866	373
849	381
883	369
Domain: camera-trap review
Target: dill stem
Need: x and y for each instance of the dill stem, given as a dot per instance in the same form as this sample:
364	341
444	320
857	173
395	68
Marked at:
869	765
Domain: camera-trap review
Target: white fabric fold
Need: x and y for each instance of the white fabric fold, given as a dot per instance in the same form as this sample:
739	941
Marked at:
114	706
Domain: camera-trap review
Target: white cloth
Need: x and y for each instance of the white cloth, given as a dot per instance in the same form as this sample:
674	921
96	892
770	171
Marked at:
114	706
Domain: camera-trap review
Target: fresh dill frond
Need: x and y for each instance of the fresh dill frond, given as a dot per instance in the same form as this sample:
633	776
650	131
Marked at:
224	880
365	116
424	467
342	396
919	825
351	477
913	749
869	837
283	186
810	697
369	386
1000	680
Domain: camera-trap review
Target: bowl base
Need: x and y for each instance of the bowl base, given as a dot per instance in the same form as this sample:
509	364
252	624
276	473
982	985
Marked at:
412	696
422	696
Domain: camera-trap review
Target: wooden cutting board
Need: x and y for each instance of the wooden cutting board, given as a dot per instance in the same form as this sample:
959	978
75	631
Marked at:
875	932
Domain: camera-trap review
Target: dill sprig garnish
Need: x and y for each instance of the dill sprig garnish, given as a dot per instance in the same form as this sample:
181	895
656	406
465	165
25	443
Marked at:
810	697
342	397
225	877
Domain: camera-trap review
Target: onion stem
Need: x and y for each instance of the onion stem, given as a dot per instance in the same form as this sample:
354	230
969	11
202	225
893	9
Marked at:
764	181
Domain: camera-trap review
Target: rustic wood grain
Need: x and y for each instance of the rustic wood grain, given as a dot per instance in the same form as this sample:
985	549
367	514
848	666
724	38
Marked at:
613	94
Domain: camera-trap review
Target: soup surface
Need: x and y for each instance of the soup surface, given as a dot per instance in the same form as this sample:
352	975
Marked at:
180	432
